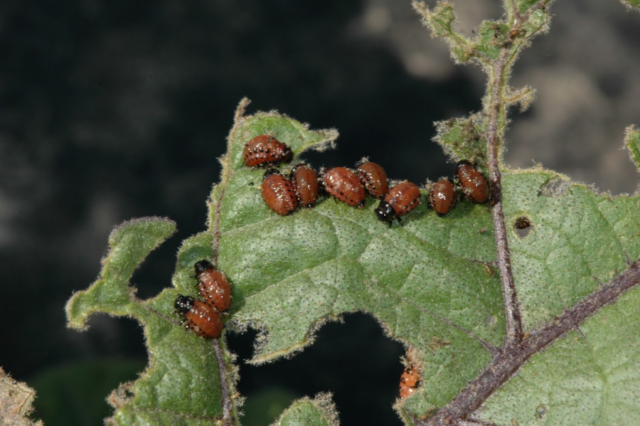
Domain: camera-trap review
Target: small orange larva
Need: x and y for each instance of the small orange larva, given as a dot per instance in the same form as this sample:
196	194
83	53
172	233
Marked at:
409	382
213	285
399	201
442	197
199	317
374	178
344	185
305	182
474	184
264	150
278	193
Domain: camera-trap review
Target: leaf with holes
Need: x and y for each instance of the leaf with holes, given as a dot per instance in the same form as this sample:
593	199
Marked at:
160	395
431	282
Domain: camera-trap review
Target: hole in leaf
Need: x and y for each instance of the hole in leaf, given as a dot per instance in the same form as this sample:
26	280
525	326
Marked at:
345	359
154	274
522	226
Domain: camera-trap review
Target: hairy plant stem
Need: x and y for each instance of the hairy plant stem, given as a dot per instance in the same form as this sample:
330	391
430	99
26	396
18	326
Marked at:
496	108
507	363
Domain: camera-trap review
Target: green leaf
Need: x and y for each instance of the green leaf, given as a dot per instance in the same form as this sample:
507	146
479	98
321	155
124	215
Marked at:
462	138
440	22
129	244
538	23
577	240
492	37
590	377
632	142
180	387
525	5
62	390
310	412
430	282
426	281
291	274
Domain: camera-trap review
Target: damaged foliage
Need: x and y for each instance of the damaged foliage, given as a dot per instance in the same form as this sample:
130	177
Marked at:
431	283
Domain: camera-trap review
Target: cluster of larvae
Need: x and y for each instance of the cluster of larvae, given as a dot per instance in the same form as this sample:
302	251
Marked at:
205	316
283	194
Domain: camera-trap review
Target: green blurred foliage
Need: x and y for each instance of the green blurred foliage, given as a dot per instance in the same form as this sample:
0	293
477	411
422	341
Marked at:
75	394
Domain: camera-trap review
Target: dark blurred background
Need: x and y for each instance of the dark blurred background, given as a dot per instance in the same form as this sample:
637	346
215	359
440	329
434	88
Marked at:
111	110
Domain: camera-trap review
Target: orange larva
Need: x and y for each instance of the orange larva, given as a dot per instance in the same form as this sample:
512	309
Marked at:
409	382
400	200
442	197
305	183
264	150
199	317
213	285
473	183
374	179
278	193
344	185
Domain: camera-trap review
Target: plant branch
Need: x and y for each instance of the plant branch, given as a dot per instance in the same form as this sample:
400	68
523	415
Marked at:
514	9
495	106
505	365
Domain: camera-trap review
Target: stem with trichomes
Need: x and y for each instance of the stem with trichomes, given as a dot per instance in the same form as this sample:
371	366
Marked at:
494	109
